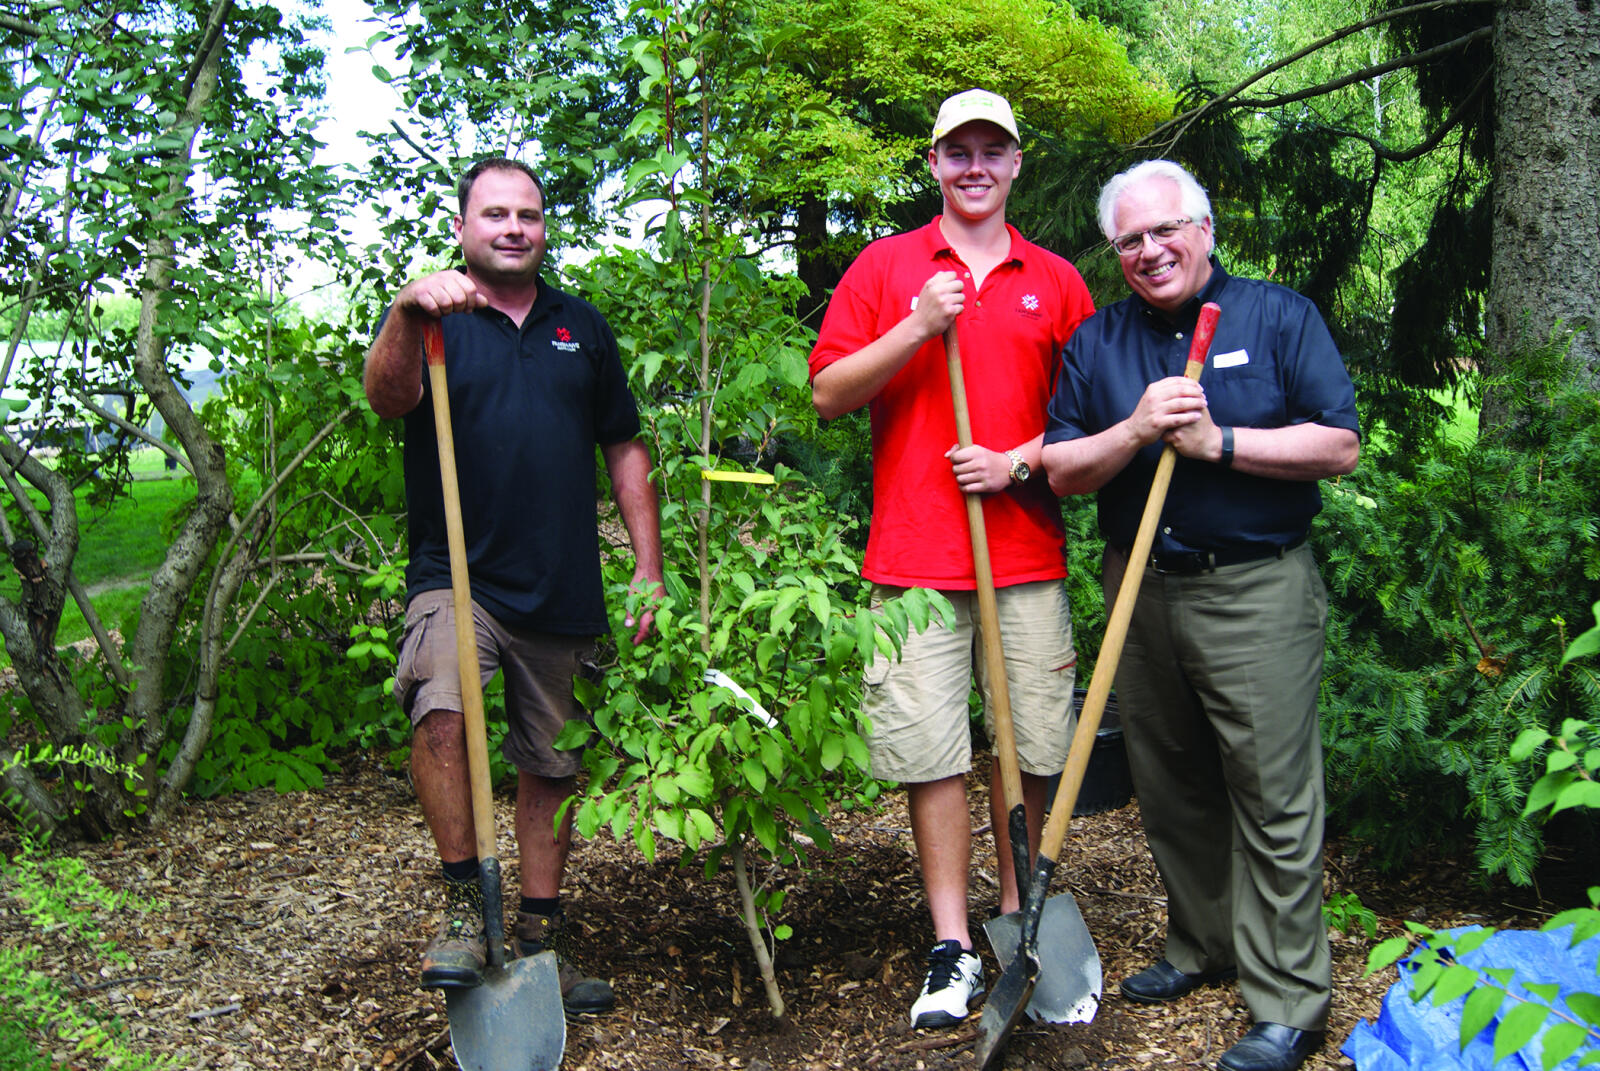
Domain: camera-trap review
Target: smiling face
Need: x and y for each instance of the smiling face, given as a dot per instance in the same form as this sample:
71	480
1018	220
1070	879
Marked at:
974	165
501	227
1166	276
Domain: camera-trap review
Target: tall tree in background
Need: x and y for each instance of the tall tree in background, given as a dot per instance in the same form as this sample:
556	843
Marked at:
1543	275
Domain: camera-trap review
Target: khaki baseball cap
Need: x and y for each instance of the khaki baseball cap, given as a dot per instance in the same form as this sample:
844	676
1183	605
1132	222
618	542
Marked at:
975	105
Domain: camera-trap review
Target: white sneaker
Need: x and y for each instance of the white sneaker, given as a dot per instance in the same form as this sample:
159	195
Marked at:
955	976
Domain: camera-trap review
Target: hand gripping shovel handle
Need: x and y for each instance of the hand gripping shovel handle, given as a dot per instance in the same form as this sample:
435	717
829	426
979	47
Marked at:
989	626
1011	994
466	652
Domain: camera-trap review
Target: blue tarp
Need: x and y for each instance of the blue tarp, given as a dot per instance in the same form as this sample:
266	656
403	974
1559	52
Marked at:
1421	1036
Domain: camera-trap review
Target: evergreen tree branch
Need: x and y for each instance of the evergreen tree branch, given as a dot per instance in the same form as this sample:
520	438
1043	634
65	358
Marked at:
1428	144
1179	125
1416	59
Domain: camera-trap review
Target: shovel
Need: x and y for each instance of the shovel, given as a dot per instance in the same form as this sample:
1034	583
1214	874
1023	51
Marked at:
994	661
513	1021
1022	974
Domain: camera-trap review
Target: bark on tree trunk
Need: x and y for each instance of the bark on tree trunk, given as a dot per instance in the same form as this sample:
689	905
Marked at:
1543	275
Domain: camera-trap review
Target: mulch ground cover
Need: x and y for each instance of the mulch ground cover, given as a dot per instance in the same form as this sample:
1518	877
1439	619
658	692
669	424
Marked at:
285	933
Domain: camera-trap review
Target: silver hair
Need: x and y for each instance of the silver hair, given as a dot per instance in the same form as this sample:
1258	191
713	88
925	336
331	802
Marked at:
1196	204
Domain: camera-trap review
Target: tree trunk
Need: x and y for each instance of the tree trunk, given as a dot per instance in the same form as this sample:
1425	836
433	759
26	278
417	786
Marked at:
1544	279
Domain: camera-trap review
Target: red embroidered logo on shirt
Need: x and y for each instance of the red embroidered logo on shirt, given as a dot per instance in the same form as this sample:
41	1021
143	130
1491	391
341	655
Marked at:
563	341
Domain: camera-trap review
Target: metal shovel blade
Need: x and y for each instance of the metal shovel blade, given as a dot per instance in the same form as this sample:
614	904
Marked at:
1069	984
513	1021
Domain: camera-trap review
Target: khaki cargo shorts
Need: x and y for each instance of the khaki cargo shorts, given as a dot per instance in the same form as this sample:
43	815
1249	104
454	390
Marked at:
915	709
538	667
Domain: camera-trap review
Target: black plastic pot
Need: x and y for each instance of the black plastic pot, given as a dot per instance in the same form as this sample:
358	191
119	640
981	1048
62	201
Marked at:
1106	783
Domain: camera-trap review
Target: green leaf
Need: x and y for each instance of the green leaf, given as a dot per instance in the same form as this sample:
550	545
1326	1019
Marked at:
754	773
1469	942
765	827
783	932
1482	1004
1527	742
1585	1006
1585	923
1548	992
1560	1042
669	822
1517	1028
832	753
1578	794
1426	977
702	822
1455	982
696	782
771	756
765	649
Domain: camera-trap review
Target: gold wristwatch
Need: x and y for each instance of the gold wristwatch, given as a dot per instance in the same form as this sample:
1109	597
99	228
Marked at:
1019	468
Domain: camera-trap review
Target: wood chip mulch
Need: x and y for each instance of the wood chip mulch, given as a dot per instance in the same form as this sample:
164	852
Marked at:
284	932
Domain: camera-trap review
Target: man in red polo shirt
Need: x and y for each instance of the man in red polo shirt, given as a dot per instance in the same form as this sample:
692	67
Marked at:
1014	306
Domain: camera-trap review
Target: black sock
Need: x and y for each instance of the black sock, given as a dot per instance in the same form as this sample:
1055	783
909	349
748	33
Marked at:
465	870
540	906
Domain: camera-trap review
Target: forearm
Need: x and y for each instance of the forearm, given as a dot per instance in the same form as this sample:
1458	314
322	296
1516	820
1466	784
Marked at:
393	373
1079	466
629	466
1296	451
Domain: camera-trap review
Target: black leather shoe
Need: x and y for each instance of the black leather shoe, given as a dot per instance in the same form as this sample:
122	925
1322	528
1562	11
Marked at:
1162	982
1271	1047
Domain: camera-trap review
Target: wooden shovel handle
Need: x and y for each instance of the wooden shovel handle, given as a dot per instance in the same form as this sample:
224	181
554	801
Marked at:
1094	703
988	613
466	634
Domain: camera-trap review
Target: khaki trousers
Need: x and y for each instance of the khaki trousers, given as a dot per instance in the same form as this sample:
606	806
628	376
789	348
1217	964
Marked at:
1217	692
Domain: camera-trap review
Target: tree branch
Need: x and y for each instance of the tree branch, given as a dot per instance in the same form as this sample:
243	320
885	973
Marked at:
1428	144
1416	59
1187	119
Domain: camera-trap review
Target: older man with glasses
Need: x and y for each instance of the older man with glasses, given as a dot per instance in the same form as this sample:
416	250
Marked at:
1218	682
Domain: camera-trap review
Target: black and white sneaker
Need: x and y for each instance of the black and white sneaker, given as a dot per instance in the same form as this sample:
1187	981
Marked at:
955	976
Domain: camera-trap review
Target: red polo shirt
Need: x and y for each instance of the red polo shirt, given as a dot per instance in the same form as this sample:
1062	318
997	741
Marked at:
1011	333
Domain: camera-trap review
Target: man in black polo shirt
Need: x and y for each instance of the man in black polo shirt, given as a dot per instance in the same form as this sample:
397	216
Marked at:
1218	682
535	386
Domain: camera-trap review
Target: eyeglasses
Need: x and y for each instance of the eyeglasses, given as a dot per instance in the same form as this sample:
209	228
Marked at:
1162	233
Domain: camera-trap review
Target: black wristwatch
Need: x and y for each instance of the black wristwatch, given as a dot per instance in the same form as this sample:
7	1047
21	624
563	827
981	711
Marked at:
1226	460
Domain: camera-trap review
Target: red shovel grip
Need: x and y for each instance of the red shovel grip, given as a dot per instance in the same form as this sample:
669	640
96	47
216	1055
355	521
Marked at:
433	341
1205	329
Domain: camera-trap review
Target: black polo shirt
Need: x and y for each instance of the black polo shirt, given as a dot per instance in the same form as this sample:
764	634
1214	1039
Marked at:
528	406
1272	364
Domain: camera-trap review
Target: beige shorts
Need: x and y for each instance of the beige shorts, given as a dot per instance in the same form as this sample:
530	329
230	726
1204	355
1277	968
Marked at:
538	668
915	709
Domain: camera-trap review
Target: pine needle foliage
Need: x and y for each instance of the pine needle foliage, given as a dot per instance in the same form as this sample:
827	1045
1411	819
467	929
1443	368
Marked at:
1452	575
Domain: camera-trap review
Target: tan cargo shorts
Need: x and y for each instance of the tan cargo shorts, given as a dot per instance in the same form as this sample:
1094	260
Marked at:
915	709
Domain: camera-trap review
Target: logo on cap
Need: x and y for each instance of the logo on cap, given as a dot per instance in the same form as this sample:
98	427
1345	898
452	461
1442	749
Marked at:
973	106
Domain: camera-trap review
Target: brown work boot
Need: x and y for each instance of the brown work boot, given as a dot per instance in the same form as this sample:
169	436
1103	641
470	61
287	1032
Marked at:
579	993
455	957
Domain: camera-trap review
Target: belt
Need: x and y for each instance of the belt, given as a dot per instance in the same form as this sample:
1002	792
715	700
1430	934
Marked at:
1187	562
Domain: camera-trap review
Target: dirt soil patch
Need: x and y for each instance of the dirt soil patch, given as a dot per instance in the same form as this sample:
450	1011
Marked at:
287	931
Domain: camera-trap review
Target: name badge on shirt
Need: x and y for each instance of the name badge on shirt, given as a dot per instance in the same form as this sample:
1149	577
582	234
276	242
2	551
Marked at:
1231	359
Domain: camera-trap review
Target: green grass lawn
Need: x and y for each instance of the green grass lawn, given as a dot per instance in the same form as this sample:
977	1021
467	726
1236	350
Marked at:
119	547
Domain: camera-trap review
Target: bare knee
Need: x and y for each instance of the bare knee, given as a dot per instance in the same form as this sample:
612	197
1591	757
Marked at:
440	732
